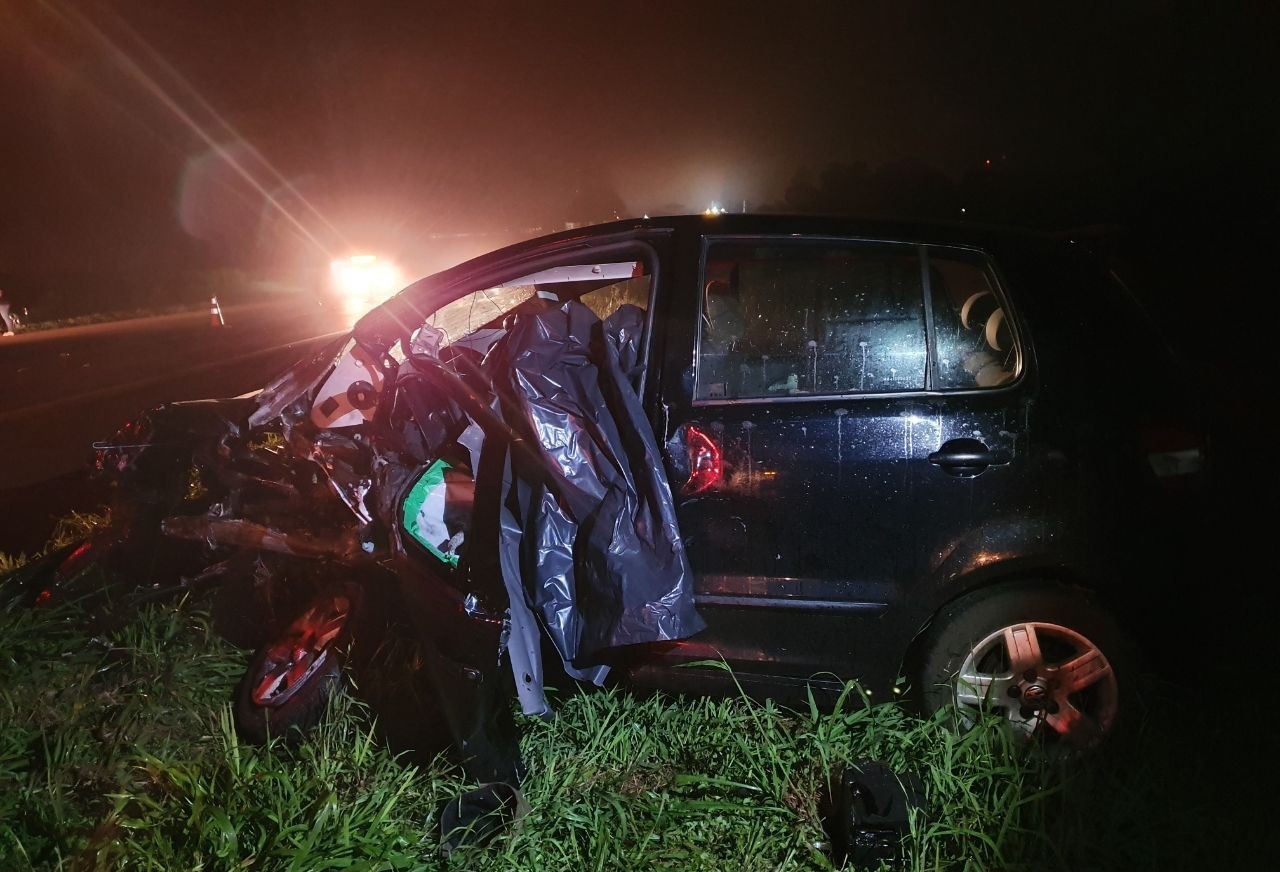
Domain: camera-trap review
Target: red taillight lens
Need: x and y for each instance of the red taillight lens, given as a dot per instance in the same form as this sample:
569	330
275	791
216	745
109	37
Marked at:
705	464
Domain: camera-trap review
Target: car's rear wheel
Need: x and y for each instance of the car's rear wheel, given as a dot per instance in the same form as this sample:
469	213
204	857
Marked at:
287	687
1045	659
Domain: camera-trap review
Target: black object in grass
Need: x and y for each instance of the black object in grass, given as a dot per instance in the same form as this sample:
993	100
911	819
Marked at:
869	813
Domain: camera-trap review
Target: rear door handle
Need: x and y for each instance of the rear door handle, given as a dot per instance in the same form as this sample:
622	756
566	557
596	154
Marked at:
967	457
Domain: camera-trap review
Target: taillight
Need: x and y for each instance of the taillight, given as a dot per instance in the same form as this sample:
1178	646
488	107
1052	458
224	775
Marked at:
706	467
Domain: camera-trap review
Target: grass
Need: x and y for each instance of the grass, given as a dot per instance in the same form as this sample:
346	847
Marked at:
117	752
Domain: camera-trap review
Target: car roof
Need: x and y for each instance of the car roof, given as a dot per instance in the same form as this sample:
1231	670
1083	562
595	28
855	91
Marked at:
404	311
902	230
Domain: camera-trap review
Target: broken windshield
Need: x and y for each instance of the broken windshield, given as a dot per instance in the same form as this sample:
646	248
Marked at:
475	320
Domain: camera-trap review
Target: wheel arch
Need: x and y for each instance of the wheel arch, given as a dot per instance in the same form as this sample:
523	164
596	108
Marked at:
991	580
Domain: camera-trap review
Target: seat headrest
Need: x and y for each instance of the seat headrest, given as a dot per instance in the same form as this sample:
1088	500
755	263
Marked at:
997	333
977	309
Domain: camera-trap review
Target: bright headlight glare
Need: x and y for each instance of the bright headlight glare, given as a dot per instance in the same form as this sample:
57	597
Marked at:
365	275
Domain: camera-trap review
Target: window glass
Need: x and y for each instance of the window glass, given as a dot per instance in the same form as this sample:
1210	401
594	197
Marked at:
476	320
973	336
783	318
478	312
606	300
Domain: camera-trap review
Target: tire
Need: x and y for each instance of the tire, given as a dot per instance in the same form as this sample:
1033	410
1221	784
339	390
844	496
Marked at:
1046	658
283	694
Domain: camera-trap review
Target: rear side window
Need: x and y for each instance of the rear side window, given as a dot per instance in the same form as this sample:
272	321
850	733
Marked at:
972	331
790	318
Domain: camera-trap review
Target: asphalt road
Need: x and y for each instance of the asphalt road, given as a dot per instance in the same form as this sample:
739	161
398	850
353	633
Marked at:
65	389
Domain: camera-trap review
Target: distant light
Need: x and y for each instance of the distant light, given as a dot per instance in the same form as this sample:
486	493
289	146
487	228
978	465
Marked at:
365	277
987	161
713	209
646	216
962	208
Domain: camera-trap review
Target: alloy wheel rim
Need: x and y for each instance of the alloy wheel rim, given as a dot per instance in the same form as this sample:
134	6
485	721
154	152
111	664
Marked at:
300	651
1044	679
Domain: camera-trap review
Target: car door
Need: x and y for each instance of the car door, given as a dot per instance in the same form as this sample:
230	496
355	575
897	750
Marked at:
792	446
980	488
848	443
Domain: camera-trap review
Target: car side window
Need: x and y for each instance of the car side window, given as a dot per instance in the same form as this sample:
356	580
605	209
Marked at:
606	300
790	318
475	321
973	334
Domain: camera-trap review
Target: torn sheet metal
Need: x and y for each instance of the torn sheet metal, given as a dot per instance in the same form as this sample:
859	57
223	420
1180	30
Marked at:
600	552
295	383
347	462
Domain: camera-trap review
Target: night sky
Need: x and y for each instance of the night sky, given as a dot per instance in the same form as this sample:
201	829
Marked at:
376	125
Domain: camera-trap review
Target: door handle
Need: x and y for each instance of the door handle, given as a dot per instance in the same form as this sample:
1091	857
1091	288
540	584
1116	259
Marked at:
967	457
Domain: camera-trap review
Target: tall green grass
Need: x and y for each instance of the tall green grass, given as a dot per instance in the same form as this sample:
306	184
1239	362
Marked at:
117	752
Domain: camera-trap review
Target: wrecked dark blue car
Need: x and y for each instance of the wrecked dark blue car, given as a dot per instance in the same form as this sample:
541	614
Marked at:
813	450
